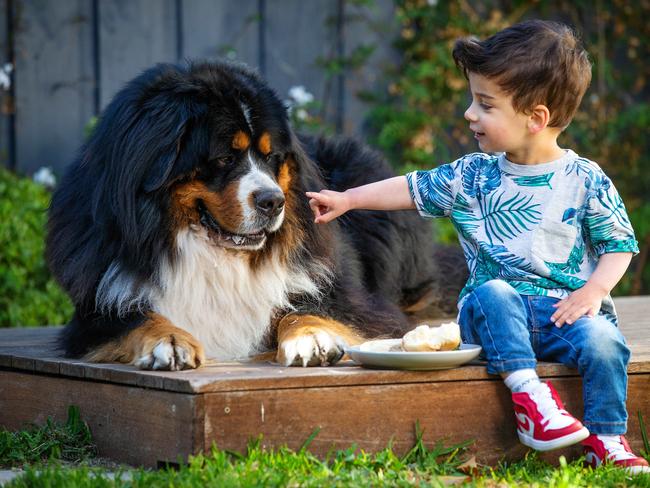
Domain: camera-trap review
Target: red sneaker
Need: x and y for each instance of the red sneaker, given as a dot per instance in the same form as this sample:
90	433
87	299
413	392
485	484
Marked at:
542	422
613	449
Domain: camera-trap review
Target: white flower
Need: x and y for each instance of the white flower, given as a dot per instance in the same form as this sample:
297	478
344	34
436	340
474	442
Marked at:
301	114
300	96
5	76
45	177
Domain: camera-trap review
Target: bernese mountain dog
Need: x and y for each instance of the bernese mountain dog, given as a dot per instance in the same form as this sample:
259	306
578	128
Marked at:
182	232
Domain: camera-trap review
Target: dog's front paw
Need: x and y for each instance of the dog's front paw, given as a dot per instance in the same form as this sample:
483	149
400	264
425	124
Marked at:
172	353
155	344
312	340
315	348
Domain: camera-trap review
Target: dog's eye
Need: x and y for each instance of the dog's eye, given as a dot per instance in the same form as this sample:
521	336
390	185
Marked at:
224	161
274	159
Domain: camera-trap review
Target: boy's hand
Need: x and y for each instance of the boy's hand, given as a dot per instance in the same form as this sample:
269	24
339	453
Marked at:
583	301
327	205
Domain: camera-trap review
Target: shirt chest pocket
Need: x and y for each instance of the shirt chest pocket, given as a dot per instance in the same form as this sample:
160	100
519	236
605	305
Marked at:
553	241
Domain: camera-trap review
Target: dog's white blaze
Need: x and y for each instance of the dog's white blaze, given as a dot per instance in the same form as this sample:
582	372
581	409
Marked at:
255	180
214	295
247	114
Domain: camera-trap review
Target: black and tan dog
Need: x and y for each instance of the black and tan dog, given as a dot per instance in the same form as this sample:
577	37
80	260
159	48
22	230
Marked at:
182	231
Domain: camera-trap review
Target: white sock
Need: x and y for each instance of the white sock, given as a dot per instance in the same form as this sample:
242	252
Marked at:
522	380
609	438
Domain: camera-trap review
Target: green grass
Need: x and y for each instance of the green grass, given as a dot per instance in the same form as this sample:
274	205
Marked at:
435	466
53	441
284	467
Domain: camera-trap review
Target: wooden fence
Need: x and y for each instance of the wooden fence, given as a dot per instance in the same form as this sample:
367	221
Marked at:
69	57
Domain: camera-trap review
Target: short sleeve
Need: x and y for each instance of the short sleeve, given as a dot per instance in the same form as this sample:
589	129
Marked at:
606	221
433	191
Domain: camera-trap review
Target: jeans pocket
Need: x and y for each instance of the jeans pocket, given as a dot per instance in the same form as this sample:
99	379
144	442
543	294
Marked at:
553	241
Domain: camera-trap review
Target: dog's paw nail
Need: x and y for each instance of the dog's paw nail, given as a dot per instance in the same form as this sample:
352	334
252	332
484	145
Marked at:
170	355
144	362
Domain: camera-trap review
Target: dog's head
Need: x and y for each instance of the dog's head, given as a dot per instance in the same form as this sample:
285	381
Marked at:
209	148
182	156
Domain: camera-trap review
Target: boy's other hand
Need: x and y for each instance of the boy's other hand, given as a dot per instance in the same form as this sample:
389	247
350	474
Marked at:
583	301
327	205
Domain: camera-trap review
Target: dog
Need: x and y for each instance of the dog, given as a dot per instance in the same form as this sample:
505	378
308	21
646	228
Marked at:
181	232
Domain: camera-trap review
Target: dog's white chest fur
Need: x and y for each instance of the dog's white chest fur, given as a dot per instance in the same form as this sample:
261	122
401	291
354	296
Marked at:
216	296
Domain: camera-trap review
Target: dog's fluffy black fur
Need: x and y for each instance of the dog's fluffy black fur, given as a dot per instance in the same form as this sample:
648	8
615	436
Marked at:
171	179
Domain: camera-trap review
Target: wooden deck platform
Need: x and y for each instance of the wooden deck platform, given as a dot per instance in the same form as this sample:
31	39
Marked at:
145	418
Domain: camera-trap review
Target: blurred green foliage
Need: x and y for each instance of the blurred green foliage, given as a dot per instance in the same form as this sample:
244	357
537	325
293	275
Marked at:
28	294
418	121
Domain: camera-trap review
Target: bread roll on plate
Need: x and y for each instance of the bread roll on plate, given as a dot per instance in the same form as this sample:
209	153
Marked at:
423	338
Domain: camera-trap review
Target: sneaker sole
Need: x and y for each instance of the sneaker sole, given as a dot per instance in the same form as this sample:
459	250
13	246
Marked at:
635	469
567	440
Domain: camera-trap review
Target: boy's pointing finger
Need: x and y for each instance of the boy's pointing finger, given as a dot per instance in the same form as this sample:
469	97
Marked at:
313	204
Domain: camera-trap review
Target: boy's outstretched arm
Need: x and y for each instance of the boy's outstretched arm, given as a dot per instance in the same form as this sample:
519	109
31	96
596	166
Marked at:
586	300
390	194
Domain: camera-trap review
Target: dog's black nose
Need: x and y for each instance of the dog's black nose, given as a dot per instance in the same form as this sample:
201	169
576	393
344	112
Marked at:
269	202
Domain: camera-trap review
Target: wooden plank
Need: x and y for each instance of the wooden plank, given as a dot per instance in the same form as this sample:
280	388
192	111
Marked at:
5	361
28	336
134	35
253	376
22	363
144	427
297	33
132	425
32	349
367	24
221	29
371	416
634	321
634	315
53	81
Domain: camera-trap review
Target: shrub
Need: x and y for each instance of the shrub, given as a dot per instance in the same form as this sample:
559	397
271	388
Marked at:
28	294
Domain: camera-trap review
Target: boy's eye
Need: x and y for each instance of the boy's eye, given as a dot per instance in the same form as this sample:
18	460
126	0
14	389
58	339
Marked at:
485	106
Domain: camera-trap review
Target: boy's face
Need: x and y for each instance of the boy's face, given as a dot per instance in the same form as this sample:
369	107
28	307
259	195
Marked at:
492	118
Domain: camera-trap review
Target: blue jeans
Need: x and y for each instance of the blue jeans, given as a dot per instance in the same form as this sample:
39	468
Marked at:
515	330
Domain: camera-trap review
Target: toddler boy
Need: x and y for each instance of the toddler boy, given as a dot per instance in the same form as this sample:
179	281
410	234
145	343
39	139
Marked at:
544	232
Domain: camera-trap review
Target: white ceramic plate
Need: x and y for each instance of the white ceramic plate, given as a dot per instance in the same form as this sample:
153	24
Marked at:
377	354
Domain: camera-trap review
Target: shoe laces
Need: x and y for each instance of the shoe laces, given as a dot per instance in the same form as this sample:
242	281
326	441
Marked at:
615	448
546	404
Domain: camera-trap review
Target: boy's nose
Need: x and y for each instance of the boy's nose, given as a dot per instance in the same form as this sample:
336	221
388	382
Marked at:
470	116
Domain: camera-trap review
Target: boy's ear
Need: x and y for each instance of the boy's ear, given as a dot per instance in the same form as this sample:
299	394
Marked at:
539	118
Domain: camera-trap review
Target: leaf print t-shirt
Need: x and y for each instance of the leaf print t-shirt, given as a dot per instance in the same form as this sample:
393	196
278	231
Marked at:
540	228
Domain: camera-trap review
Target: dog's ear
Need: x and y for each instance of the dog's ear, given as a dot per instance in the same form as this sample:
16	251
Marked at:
159	172
180	126
307	171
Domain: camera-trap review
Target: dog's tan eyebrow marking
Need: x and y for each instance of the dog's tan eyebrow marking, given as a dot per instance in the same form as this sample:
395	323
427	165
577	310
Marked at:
284	177
241	141
265	143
